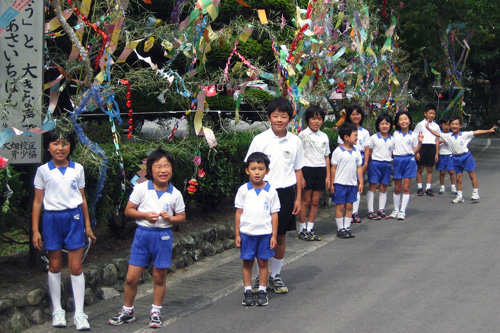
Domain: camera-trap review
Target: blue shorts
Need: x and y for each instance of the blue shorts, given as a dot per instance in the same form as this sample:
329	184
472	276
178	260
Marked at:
464	162
404	166
256	247
445	163
344	194
152	244
379	172
63	228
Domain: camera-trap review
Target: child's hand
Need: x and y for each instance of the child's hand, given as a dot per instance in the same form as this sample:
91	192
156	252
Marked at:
494	128
417	156
273	242
360	187
327	184
420	137
37	240
165	215
332	188
90	233
237	241
152	217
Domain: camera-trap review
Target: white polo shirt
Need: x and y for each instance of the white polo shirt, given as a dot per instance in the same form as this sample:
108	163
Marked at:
429	138
148	199
347	162
316	146
444	149
363	140
257	205
458	143
381	148
61	185
286	155
404	143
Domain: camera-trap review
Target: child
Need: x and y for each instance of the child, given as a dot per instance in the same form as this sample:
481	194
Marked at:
316	170
60	188
406	145
379	169
445	158
355	115
347	178
462	158
256	226
156	205
286	156
429	153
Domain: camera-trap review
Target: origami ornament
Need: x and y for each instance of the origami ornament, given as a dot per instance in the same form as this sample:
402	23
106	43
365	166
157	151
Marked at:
192	186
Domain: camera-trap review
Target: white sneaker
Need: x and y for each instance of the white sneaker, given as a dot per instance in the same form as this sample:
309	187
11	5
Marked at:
458	200
394	214
401	216
475	196
81	322
442	190
59	318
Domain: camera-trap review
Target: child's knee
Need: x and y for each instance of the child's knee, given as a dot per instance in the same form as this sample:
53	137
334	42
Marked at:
263	263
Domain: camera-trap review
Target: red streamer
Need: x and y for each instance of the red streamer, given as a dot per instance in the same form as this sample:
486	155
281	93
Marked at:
128	95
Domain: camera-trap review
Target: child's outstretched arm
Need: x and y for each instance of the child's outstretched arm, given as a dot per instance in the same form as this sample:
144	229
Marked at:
431	130
35	219
491	130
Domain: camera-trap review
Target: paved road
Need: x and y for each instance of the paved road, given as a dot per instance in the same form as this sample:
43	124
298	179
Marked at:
437	271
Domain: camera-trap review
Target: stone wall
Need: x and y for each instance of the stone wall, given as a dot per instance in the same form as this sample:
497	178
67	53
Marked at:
24	307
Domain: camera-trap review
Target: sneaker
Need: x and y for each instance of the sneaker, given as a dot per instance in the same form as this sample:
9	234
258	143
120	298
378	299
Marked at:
262	299
59	318
304	235
401	216
475	196
454	192
278	285
249	299
429	192
382	215
81	322
373	216
420	192
356	218
394	214
349	233
442	190
313	235
155	320
458	200
342	233
122	317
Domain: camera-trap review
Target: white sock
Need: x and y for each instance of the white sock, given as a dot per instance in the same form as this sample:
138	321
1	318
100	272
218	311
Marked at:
370	198
453	187
355	205
460	194
404	204
419	185
347	222
263	288
397	199
428	186
276	266
340	222
475	190
129	310
382	200
54	280
310	226
443	188
247	288
156	308
78	286
302	226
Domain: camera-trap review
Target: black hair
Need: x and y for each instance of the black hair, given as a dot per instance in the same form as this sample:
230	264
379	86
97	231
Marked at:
312	111
350	110
380	118
346	129
57	134
444	119
258	157
456	118
430	106
282	105
396	120
156	156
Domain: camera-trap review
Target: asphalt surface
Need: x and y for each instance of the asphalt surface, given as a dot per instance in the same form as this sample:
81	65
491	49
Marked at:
437	271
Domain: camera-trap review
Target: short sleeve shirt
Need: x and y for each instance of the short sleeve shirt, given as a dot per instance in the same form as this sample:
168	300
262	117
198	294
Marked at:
429	138
285	154
148	199
257	206
458	143
61	185
381	147
404	143
316	146
347	162
363	140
